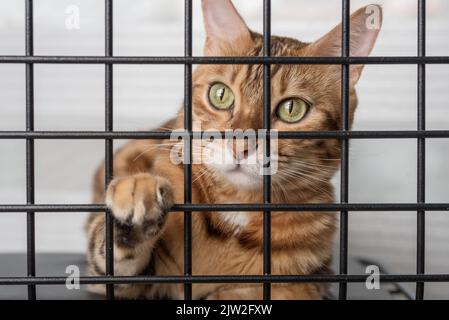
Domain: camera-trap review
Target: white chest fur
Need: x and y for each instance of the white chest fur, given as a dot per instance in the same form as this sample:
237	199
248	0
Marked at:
237	219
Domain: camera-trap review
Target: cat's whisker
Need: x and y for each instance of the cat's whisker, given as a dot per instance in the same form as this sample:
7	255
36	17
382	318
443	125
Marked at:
203	172
167	147
304	173
281	188
307	170
155	144
308	178
311	163
318	189
325	172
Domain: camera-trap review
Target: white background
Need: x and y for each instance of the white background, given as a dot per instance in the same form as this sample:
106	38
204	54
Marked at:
71	97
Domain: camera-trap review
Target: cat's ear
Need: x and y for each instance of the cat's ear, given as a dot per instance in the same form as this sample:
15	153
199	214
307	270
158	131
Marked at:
365	25
225	27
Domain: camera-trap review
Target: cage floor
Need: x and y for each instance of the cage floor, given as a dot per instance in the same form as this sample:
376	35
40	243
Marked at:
55	265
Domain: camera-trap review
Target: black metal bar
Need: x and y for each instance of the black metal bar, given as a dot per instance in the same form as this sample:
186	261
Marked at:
188	148
224	60
267	147
109	147
354	278
421	149
344	178
29	48
101	135
313	207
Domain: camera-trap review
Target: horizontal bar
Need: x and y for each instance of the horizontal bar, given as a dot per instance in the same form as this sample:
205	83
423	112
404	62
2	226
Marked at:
240	207
99	135
223	60
7	281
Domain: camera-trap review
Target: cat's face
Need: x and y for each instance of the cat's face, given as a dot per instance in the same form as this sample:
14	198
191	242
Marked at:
303	98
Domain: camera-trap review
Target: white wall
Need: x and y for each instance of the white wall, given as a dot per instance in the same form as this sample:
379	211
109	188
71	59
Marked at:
71	97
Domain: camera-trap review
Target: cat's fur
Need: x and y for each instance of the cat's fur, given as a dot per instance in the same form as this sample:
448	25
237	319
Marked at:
149	240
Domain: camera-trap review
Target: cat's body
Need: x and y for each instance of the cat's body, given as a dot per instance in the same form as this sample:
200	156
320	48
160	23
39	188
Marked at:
150	241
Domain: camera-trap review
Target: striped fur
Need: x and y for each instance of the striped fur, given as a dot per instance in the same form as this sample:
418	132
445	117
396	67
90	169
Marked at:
149	239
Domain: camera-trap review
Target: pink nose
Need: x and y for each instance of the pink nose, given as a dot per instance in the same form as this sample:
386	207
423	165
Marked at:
241	148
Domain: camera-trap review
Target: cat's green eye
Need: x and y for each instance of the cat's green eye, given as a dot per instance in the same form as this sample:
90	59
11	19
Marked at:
221	96
292	110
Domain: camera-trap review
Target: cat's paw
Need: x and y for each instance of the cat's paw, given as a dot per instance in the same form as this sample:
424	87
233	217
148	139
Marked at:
140	200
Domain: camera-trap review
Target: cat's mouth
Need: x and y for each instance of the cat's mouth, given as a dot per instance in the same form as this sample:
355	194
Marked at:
237	168
241	175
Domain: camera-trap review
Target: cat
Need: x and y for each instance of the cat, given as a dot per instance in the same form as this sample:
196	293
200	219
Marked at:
148	239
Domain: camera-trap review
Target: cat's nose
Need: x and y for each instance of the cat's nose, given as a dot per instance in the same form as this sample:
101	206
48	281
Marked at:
241	148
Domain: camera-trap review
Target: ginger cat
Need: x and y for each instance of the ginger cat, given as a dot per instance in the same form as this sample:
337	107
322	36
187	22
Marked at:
148	240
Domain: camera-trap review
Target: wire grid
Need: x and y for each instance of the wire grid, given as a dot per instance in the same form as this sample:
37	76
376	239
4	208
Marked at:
345	135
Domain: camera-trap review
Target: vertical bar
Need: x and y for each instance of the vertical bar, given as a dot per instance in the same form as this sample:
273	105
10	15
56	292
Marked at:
188	148
109	148
31	248
421	157
267	146
344	180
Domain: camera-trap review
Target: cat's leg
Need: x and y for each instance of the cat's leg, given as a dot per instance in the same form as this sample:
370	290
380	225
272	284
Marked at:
139	205
237	293
296	291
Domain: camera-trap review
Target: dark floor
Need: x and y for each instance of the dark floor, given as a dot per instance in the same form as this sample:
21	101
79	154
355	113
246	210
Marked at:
55	265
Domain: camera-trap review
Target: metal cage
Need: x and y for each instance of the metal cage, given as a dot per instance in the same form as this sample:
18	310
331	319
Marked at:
345	135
